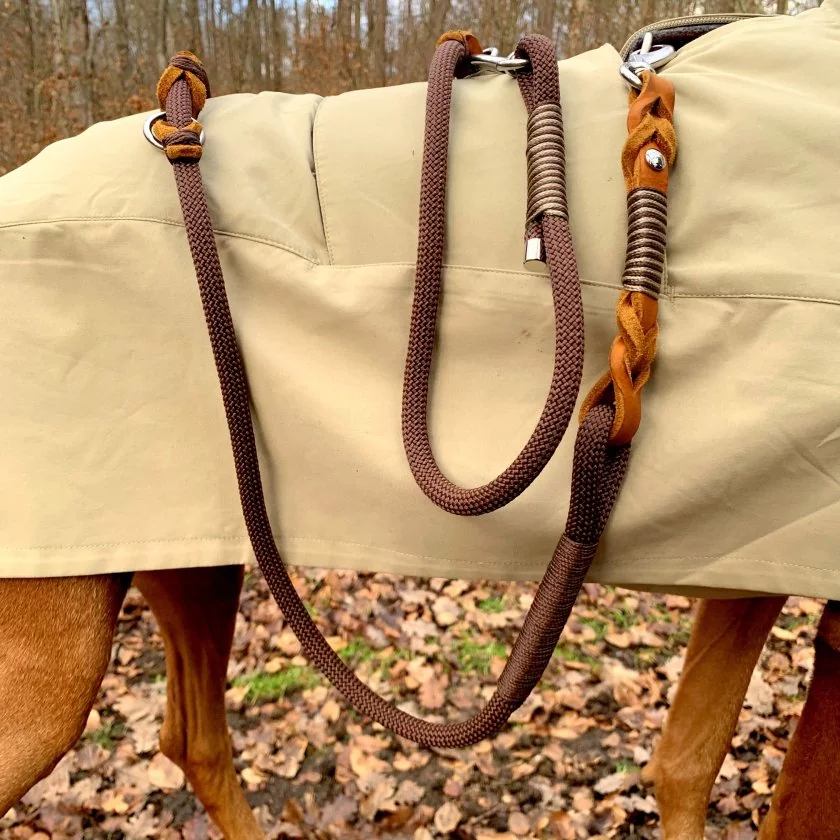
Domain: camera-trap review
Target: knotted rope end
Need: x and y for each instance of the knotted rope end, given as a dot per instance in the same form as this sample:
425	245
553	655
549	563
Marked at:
185	65
184	142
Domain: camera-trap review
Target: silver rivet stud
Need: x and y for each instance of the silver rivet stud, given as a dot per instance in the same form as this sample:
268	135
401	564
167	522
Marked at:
655	160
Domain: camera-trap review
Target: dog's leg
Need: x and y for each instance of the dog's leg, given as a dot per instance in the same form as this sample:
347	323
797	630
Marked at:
55	645
805	800
726	641
196	611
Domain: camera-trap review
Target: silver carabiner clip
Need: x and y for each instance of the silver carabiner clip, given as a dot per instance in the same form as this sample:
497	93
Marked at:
645	59
489	61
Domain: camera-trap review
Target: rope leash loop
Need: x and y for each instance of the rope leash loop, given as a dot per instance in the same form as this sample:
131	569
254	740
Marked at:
547	222
599	462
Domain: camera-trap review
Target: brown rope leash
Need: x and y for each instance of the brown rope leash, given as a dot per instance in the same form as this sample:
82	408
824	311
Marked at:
547	220
598	468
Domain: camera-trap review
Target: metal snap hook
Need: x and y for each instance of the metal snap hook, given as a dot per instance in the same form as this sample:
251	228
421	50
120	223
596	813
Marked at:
645	59
489	61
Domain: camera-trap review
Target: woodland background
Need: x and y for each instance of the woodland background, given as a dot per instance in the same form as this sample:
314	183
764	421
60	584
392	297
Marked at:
65	64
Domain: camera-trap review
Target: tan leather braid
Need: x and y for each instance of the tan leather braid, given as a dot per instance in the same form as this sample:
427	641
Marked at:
539	88
597	474
182	142
650	126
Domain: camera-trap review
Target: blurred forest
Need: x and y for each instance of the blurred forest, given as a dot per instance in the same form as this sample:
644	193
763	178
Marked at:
67	63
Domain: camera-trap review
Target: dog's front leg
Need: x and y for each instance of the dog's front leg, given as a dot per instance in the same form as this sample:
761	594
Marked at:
196	611
726	641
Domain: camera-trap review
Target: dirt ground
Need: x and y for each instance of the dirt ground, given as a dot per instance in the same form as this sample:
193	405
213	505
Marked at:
567	768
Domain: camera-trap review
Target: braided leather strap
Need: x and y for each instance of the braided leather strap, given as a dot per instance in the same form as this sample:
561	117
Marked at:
547	219
648	155
598	471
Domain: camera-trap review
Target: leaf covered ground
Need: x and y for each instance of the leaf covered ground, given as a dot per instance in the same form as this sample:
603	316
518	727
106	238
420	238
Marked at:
568	767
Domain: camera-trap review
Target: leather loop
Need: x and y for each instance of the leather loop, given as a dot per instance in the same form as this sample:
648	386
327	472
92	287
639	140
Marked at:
462	36
649	126
631	358
179	143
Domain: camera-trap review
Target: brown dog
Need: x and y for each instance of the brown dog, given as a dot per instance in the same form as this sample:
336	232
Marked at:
55	644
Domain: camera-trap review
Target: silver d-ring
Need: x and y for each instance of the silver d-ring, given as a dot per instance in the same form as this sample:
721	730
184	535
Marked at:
149	134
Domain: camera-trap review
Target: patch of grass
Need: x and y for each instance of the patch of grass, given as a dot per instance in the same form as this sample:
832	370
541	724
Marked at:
496	604
680	637
567	653
571	654
623	618
312	610
644	657
791	622
107	735
475	656
600	627
356	652
391	658
626	766
660	613
266	688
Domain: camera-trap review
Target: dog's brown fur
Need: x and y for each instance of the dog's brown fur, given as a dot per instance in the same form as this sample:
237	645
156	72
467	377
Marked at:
55	644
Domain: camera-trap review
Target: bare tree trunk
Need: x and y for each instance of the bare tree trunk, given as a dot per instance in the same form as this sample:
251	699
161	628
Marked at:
196	41
29	25
71	64
78	63
377	21
579	27
122	43
163	33
278	46
545	17
213	30
58	111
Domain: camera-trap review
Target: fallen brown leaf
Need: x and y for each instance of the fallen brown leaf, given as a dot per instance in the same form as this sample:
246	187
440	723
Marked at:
447	817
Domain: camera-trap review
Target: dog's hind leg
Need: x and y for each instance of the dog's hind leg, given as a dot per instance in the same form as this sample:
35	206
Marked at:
196	611
805	802
55	645
726	641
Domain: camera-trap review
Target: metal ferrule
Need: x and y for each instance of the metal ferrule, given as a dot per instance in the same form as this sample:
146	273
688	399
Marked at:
546	156
647	222
534	252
